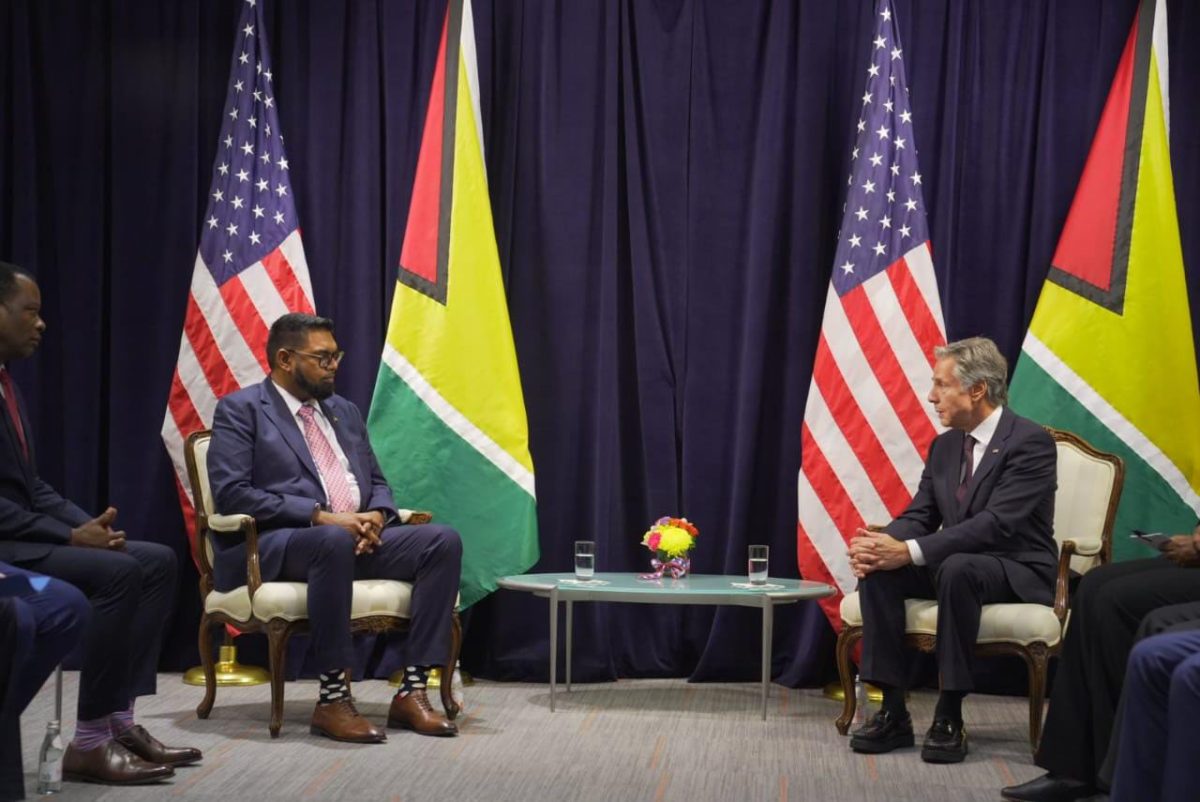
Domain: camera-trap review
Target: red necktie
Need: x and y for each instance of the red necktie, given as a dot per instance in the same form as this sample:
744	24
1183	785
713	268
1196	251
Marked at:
330	467
14	412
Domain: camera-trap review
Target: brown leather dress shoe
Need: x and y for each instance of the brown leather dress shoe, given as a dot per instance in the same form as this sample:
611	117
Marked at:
341	721
111	764
137	740
413	712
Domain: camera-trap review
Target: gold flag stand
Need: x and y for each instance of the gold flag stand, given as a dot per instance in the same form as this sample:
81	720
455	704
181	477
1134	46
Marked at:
834	691
230	673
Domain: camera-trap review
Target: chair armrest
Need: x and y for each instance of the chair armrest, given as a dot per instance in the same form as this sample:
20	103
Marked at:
1061	579
245	525
1087	547
416	517
227	524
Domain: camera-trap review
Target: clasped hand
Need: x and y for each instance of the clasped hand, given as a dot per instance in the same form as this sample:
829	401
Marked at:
365	527
875	551
98	533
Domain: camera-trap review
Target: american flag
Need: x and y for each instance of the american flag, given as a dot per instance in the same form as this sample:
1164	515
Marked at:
867	426
250	267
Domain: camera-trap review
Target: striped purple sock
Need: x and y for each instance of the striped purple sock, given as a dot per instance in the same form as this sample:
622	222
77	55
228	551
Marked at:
121	720
90	734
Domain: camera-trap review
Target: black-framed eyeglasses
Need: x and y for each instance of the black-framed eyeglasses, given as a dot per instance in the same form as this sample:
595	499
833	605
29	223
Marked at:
325	361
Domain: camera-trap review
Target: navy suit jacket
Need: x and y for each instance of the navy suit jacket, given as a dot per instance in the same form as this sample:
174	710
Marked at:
34	518
1008	511
259	465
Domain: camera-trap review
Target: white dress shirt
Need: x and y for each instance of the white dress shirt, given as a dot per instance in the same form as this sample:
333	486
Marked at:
983	434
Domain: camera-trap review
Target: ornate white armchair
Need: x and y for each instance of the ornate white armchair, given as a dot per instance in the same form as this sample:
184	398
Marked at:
280	609
1085	504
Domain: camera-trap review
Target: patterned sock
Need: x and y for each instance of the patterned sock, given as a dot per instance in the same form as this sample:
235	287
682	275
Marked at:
121	720
333	686
91	733
949	705
415	678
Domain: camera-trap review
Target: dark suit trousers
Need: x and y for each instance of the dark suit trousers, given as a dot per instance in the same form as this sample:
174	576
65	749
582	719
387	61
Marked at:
132	593
37	629
1162	705
1106	612
961	584
428	556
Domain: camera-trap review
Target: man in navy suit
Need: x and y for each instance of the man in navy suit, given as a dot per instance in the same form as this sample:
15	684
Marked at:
41	620
296	457
980	530
130	584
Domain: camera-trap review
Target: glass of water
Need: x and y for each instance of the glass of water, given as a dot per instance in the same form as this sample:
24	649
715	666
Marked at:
758	564
585	559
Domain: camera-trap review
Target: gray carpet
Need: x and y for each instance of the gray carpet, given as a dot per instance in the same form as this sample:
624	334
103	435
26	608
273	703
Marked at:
629	740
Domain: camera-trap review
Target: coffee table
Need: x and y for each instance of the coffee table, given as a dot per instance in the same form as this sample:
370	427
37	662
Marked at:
694	589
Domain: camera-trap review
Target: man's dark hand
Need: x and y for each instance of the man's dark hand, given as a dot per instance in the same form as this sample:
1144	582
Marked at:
98	533
1183	550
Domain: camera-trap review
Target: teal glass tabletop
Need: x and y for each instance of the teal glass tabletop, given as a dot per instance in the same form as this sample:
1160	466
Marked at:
629	584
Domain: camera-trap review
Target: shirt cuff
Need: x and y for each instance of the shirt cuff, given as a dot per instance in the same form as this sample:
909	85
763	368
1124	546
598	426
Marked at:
914	551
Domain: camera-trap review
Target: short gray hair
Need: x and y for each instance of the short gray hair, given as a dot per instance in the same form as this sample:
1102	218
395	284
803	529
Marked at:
977	359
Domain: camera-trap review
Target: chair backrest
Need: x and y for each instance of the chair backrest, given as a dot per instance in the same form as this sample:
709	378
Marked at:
1089	489
196	456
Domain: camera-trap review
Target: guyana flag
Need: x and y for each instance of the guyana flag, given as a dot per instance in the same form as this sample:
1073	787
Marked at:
1109	354
448	419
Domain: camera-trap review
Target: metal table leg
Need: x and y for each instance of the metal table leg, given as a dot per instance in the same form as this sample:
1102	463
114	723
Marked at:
570	622
767	622
553	644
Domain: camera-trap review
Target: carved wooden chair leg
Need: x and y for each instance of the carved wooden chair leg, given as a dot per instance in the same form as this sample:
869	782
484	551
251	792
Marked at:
1037	658
277	638
210	669
448	704
845	646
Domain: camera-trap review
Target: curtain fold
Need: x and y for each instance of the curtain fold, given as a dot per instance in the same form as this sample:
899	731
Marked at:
666	180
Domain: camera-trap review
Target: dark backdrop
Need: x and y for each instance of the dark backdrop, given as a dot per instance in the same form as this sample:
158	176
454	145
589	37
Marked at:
666	181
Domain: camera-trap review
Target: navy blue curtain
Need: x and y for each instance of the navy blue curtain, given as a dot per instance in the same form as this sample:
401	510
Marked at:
666	180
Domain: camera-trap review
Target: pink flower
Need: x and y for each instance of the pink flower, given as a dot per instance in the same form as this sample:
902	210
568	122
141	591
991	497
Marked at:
653	540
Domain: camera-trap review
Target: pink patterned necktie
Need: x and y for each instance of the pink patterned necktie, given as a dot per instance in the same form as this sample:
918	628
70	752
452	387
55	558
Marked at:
329	466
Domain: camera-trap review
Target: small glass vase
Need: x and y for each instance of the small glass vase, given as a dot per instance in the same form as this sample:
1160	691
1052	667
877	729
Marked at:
673	567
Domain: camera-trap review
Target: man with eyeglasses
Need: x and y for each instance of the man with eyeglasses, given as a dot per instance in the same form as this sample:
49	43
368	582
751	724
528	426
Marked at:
296	457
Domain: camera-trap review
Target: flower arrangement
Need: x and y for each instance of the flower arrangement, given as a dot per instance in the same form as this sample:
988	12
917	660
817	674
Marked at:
671	540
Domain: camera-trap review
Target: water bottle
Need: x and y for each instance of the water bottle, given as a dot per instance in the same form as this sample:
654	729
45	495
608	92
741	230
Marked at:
860	702
456	689
50	760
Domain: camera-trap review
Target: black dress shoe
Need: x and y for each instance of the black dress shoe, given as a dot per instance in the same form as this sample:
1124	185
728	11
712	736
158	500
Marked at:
1048	788
946	742
150	749
883	732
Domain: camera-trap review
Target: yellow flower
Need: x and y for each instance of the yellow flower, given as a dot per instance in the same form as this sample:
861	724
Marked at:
675	542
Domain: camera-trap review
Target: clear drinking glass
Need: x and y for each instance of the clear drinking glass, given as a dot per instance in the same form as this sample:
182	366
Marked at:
758	564
585	559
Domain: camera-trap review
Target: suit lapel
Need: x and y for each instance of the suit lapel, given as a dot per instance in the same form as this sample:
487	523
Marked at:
991	456
277	412
14	443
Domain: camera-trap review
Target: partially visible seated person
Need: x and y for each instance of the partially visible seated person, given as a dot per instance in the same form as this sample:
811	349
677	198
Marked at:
129	584
41	620
1115	606
296	457
980	530
1160	708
